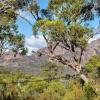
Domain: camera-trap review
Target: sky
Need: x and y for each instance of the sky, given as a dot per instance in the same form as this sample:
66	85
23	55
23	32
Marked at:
33	43
23	26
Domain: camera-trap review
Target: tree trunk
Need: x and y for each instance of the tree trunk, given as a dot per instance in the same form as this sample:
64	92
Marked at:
1	51
84	78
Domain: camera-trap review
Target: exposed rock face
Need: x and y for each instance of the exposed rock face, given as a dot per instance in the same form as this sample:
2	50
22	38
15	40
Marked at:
29	64
92	49
32	63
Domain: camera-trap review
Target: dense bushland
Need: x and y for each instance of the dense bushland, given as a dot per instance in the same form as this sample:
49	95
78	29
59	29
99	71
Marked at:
48	86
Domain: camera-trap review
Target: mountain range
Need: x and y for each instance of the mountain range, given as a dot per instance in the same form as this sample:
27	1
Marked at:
32	64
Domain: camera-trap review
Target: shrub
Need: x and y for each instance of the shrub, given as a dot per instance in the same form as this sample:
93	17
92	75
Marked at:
51	70
74	91
89	91
93	63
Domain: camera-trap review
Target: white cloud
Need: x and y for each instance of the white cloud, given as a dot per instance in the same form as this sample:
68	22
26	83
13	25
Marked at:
33	44
94	38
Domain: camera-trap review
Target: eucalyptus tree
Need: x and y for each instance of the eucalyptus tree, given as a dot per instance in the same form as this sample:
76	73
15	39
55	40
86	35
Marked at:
17	44
62	25
10	38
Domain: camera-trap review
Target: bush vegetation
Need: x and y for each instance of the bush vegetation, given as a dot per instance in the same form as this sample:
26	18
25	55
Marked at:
21	86
93	63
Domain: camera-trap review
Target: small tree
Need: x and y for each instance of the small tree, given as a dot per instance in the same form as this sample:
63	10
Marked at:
24	51
10	39
17	43
93	63
9	35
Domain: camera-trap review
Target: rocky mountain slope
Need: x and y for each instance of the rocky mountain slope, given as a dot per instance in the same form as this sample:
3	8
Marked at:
92	49
32	63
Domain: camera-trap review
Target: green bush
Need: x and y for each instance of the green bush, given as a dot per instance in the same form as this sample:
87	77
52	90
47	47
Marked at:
90	92
93	63
51	70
